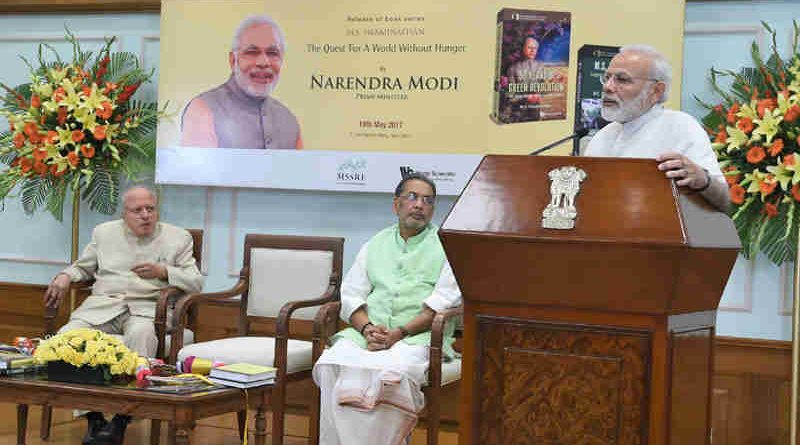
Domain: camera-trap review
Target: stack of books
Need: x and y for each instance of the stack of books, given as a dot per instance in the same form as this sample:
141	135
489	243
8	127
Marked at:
12	363
243	375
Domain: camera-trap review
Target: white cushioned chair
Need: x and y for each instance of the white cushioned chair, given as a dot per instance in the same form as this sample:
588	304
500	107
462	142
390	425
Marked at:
441	373
282	278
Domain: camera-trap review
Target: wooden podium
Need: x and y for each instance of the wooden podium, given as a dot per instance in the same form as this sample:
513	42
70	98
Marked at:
600	334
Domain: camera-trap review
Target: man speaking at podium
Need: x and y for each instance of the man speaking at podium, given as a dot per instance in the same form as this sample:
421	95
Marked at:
635	86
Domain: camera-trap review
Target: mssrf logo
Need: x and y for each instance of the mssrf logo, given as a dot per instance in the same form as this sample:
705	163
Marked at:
352	171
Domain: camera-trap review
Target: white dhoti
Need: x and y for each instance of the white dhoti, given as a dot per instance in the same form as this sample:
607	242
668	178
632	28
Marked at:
370	397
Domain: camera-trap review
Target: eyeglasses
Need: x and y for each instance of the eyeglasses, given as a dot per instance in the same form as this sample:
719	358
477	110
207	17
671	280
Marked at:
413	197
139	211
623	79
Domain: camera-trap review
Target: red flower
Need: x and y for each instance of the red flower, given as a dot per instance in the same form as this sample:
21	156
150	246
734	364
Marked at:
722	136
767	187
30	128
796	192
40	168
62	115
792	113
776	147
745	124
19	140
755	155
770	209
87	151
104	111
77	135
86	90
764	105
99	132
73	159
39	155
59	94
52	136
737	194
36	102
25	164
732	113
732	179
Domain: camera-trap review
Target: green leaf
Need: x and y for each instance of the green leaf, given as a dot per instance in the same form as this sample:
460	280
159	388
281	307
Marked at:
102	191
34	193
55	201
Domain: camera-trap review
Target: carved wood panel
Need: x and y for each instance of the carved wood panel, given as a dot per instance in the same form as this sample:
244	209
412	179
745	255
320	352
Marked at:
691	386
548	384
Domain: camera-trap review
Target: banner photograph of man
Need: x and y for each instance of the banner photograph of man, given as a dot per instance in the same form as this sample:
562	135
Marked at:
241	113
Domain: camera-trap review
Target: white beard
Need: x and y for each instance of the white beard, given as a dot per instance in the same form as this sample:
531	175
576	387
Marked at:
251	90
626	111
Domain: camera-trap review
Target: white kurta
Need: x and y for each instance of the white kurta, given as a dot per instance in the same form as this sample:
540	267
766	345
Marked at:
655	132
374	397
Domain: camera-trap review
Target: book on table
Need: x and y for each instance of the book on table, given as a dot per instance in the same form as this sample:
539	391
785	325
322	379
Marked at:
9	360
243	372
243	385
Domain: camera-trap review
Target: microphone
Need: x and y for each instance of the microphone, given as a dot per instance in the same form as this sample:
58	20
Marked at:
579	133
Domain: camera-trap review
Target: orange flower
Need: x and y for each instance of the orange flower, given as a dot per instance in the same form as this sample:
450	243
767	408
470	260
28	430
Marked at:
788	159
30	128
737	194
755	155
62	115
87	151
54	171
796	192
19	140
59	94
770	209
768	187
776	147
104	111
86	90
792	113
40	168
39	155
732	113
72	157
110	86
77	135
25	164
745	124
36	102
732	179
721	137
99	132
52	136
765	104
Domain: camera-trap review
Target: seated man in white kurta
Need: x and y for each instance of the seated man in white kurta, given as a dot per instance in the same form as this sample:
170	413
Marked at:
131	260
370	378
635	86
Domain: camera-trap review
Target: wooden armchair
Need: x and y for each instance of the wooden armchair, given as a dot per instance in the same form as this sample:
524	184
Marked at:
282	278
164	332
440	373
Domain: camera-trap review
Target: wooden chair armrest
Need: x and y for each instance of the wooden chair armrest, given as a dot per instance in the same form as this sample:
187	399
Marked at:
184	305
324	326
439	320
167	298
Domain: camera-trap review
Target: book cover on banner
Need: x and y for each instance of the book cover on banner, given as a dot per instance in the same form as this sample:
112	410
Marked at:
593	61
531	66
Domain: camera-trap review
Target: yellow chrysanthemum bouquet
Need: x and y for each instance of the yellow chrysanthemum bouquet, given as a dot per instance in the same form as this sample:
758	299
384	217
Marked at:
89	348
75	126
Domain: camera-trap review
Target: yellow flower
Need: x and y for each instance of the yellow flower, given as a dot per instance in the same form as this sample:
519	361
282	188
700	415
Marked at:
44	90
76	342
736	138
116	369
768	126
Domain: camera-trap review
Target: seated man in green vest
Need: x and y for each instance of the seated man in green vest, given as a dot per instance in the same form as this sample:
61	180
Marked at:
370	378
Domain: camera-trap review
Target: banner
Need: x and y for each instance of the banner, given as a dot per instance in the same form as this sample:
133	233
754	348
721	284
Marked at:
302	94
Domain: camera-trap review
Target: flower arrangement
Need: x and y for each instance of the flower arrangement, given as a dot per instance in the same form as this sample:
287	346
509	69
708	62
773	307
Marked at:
75	126
92	348
756	135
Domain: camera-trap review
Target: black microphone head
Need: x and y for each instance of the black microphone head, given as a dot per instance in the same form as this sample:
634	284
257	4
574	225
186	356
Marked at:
581	132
